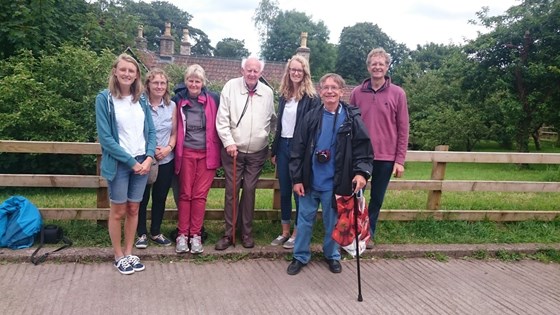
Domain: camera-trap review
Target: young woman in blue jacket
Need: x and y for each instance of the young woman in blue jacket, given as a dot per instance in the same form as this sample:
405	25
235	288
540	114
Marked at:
127	136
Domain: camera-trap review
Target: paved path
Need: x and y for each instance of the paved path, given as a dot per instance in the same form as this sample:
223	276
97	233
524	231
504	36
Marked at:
261	286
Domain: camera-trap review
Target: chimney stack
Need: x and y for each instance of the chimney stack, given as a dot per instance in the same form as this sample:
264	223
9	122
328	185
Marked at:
303	50
167	42
185	45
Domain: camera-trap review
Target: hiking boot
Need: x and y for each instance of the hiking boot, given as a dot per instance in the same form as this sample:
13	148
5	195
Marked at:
196	244
123	266
223	243
290	243
280	240
161	240
182	244
141	242
135	263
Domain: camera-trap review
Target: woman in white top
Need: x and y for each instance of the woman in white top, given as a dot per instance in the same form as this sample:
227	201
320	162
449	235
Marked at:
128	141
297	97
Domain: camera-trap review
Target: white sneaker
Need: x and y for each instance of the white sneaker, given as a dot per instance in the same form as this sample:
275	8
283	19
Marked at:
196	244
182	244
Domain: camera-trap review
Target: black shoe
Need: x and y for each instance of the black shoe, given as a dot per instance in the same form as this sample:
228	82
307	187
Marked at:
334	266
223	243
248	242
295	267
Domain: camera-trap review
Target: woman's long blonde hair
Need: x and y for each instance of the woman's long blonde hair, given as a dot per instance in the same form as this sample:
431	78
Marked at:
150	76
287	87
136	88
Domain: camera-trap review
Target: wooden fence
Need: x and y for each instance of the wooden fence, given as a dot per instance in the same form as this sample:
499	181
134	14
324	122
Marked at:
434	187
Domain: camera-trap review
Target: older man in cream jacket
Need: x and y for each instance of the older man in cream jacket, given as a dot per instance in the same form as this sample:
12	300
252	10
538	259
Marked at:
245	118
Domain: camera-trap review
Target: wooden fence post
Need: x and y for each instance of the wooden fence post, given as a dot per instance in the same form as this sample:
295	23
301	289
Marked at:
102	193
438	173
276	193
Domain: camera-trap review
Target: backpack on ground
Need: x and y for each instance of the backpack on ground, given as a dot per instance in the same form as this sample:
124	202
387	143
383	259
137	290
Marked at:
20	221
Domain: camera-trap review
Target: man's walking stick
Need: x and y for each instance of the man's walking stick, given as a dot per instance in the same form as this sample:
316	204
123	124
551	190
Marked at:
234	206
356	215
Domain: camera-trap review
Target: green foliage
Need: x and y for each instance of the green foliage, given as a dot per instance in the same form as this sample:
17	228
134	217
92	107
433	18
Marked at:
519	55
153	16
265	13
231	48
283	39
51	98
440	108
175	73
354	45
41	24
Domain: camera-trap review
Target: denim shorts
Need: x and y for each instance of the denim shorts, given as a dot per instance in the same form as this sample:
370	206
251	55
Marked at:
127	186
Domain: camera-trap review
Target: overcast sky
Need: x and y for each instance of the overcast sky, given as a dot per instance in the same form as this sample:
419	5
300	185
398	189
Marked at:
411	22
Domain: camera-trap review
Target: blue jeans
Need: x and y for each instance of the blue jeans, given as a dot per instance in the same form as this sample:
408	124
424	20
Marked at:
380	178
159	190
285	180
306	218
127	186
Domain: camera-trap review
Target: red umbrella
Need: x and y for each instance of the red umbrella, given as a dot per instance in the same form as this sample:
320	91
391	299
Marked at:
345	232
352	228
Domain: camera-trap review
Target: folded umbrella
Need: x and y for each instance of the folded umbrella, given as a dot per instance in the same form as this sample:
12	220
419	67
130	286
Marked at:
345	230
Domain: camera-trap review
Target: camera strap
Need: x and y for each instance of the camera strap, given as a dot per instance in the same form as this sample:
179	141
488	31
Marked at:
338	108
59	237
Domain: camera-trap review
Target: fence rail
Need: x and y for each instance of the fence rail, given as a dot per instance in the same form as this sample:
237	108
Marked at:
434	187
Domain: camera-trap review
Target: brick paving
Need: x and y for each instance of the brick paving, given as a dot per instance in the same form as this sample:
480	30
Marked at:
241	281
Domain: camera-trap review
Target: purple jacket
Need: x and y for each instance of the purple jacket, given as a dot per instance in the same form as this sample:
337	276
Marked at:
210	101
385	114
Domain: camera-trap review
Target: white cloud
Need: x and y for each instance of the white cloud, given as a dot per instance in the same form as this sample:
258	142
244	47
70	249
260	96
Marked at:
412	22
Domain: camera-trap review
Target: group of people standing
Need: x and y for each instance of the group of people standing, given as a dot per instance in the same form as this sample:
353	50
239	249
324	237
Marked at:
321	146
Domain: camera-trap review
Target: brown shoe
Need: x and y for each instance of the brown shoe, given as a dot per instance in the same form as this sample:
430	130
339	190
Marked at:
369	244
223	243
248	241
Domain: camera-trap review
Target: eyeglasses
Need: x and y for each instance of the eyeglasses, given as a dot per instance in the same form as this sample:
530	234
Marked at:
299	71
330	88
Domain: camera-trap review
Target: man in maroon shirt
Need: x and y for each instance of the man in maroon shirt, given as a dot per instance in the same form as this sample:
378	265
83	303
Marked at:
385	114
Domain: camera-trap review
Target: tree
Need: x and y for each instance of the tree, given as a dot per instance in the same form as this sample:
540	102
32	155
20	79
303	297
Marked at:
153	17
51	98
266	12
231	48
43	25
440	108
520	55
284	39
354	45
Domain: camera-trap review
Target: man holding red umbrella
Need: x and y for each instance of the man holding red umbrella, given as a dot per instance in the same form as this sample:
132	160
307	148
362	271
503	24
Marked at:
331	153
